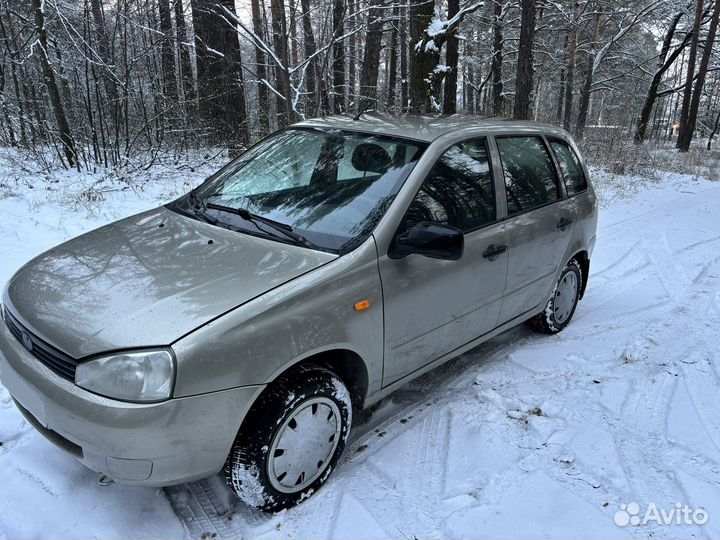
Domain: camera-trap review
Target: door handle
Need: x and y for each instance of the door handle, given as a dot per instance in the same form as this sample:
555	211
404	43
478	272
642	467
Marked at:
564	223
494	251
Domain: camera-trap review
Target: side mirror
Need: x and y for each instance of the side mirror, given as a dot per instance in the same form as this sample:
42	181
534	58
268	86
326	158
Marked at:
430	239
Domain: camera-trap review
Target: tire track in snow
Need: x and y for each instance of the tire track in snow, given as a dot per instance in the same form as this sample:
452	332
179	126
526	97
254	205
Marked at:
320	515
699	244
645	410
664	211
641	429
430	476
704	397
619	261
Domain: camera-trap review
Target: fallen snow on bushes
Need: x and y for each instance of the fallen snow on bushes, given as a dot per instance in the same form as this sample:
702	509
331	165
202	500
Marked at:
527	436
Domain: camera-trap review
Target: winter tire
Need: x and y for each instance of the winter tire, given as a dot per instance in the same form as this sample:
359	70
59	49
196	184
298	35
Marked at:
560	308
291	440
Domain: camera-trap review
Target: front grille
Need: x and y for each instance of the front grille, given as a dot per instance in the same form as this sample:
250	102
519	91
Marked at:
57	361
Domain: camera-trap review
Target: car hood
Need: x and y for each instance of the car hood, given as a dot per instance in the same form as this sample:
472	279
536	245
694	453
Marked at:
147	280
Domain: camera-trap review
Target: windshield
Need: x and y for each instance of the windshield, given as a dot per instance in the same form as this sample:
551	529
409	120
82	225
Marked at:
329	186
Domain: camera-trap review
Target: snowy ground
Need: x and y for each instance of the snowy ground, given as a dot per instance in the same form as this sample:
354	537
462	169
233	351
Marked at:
526	436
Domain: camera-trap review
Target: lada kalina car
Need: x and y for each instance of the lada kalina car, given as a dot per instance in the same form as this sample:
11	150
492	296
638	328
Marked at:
240	328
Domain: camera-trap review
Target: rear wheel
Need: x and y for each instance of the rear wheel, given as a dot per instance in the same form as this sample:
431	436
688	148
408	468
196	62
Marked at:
291	440
563	301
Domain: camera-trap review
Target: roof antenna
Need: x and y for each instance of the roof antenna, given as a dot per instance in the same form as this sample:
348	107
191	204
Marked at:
365	108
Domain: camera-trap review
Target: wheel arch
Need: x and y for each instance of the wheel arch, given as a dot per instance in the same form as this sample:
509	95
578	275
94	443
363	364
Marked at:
583	260
346	363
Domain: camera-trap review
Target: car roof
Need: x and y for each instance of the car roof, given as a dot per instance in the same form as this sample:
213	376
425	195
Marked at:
427	127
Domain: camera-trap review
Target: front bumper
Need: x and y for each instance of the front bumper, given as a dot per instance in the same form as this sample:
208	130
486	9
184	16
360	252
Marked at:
153	444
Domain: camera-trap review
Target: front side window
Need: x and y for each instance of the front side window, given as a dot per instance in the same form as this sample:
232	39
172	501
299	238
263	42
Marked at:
529	173
458	191
570	167
329	186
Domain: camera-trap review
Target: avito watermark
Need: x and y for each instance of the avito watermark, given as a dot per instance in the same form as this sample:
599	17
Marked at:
680	514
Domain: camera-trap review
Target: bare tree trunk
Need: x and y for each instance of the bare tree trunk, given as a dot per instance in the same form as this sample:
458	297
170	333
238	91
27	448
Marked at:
675	99
426	42
571	56
309	48
35	111
452	56
219	70
589	74
181	36
714	131
53	92
282	77
687	93
371	58
352	49
524	76
168	53
4	108
497	60
22	100
338	69
404	75
424	58
392	60
64	84
687	133
19	96
293	33
107	74
468	77
324	83
3	97
561	89
584	100
261	69
663	64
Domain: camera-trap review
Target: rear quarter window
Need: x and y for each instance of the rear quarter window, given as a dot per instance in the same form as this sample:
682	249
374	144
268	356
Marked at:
570	168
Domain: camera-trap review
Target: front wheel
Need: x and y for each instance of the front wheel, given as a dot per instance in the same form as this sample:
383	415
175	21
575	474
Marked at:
563	301
291	440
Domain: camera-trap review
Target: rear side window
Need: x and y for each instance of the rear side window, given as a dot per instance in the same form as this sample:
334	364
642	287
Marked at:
570	167
458	191
528	171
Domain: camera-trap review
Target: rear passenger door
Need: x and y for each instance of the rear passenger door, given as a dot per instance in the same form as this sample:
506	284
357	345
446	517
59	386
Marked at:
576	186
540	222
434	306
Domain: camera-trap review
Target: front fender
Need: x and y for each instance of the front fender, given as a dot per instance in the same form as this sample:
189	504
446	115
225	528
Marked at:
312	314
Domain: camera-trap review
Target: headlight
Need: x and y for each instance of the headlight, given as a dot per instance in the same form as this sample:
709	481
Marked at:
130	376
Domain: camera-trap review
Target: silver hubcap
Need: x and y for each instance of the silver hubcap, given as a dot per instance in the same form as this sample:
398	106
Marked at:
565	295
304	444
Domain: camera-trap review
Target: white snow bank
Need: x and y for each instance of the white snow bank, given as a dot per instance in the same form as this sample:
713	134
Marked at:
526	436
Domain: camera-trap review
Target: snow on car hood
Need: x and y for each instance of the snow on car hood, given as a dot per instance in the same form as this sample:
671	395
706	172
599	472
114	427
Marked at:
147	280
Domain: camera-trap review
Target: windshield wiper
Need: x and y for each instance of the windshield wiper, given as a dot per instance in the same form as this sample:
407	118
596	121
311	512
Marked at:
197	208
282	228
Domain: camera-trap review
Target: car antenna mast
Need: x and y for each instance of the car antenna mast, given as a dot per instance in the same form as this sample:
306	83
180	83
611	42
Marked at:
365	108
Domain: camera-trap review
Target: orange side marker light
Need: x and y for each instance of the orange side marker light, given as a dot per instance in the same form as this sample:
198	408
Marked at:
362	305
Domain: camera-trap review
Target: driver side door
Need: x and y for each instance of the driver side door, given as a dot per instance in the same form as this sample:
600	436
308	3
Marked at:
435	306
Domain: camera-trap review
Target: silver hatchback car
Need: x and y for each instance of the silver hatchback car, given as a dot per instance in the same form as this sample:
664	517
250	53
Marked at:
238	328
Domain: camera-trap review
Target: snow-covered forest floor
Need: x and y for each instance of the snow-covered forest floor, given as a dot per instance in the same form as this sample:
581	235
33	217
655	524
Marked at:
526	436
